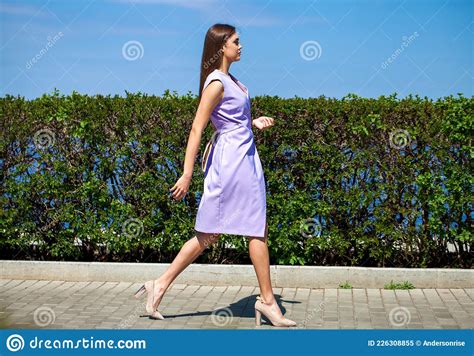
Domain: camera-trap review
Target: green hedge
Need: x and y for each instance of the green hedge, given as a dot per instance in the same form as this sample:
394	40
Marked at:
351	181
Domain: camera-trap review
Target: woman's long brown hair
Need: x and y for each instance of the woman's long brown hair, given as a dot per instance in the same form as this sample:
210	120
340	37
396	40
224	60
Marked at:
216	36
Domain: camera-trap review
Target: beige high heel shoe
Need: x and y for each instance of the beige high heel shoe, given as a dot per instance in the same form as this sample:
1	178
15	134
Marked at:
262	308
149	288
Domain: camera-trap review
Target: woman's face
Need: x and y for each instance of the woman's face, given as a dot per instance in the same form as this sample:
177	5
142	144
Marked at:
232	48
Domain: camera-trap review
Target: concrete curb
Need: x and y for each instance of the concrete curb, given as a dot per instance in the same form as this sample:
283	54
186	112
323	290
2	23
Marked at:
219	275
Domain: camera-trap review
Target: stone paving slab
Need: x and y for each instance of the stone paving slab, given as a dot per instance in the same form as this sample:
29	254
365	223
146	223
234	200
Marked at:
36	304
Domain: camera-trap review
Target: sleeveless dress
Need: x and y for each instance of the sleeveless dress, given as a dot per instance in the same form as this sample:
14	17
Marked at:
234	197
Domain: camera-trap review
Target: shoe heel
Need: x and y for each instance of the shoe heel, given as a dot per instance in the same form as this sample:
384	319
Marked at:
258	317
140	292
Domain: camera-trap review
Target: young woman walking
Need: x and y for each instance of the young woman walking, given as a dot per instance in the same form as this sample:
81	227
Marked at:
234	199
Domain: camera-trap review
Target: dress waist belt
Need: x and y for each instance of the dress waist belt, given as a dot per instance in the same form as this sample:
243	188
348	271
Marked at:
221	132
212	142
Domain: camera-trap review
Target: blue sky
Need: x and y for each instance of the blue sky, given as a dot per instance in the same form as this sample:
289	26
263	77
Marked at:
290	48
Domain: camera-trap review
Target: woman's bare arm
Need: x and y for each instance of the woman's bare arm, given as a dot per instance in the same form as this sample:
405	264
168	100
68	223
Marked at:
211	96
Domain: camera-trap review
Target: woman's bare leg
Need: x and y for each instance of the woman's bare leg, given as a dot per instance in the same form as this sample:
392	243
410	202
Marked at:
259	255
188	253
261	261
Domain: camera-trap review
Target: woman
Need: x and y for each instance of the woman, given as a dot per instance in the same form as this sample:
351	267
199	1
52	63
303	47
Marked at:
233	201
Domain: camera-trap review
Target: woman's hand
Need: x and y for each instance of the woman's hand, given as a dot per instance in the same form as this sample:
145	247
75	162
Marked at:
181	187
263	122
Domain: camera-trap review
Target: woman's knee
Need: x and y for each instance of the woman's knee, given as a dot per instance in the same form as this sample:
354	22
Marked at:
207	239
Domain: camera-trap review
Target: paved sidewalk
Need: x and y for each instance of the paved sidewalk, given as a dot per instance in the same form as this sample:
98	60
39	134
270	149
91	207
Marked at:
35	304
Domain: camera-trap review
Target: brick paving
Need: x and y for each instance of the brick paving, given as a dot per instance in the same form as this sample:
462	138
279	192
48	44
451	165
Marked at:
36	304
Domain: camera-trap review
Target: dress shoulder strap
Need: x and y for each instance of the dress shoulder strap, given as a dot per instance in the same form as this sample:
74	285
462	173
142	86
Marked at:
214	75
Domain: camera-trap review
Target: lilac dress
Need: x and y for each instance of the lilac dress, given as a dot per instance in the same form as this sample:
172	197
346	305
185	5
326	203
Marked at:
233	201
